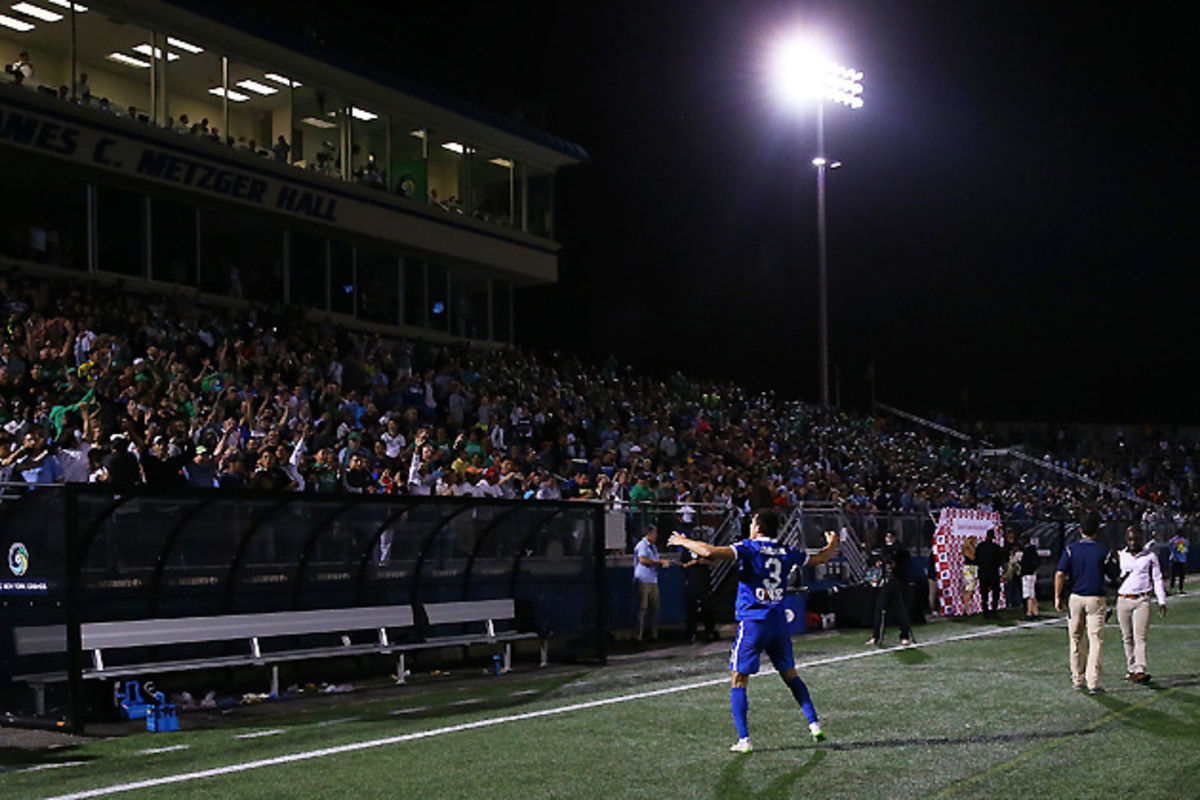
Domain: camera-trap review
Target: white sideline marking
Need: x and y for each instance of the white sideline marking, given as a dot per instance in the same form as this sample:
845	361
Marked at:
470	701
523	692
40	767
258	734
323	723
487	723
413	710
153	751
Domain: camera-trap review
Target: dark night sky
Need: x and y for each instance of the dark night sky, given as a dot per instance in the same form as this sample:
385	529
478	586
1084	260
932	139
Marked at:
1014	218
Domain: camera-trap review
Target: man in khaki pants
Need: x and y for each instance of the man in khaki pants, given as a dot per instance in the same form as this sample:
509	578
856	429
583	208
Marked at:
1083	561
646	564
1141	577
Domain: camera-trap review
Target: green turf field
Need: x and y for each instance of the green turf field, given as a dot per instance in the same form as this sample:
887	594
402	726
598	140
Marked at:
974	711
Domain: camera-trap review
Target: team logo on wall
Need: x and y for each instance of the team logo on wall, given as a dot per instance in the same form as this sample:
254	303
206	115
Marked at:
18	559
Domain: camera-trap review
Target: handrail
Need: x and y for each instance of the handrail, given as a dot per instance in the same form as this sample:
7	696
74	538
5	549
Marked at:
989	450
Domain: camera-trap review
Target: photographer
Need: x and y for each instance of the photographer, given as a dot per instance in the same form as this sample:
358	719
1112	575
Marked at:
891	564
21	69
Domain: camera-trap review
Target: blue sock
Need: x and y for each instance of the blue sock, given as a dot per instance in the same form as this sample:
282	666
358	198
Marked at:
740	705
800	692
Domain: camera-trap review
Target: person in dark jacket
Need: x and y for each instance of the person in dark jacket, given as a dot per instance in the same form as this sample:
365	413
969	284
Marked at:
989	557
891	563
1029	568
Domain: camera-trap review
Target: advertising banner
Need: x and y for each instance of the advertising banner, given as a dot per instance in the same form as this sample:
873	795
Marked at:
959	530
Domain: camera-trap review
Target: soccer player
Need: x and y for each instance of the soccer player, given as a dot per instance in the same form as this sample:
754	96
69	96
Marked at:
763	567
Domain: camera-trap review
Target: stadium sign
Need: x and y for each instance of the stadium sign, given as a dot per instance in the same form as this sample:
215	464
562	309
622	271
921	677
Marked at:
162	163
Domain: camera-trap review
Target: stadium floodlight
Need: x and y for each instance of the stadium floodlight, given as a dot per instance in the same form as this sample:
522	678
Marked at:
67	4
803	75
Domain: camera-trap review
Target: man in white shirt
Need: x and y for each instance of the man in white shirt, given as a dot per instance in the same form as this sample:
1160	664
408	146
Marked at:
489	485
393	438
1141	577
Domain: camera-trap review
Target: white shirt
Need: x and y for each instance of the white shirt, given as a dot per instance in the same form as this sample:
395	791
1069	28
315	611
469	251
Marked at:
395	444
485	489
74	461
1142	574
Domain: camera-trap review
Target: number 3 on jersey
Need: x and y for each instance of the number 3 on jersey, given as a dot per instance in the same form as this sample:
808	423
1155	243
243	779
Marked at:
772	589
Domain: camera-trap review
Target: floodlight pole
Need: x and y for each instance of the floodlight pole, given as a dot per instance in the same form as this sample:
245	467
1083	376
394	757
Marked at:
822	264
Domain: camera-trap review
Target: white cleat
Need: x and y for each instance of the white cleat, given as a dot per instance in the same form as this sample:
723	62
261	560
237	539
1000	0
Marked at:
742	746
815	729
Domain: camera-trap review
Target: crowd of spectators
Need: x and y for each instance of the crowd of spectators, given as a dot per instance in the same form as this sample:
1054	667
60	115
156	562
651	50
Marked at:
100	384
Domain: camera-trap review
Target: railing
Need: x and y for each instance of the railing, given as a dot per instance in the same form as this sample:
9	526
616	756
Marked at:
990	451
813	519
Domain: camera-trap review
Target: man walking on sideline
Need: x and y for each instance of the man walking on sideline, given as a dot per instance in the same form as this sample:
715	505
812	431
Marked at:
1083	561
1141	577
763	568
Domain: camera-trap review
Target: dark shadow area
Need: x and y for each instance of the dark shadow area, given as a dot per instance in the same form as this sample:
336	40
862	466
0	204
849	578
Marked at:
912	656
955	741
732	784
1150	719
13	759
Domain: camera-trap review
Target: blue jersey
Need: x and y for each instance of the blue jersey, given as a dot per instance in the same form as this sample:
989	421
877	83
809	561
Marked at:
763	568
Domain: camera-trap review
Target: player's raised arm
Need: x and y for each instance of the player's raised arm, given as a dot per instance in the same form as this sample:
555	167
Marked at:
826	552
702	549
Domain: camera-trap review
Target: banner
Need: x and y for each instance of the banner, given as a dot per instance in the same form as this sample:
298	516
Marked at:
958	531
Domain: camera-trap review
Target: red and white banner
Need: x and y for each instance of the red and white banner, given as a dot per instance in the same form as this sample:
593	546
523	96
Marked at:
959	530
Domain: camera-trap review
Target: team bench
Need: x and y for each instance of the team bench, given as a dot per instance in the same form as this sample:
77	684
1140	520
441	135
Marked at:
473	622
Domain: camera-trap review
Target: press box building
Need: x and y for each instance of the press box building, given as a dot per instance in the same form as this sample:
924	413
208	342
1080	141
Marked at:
141	139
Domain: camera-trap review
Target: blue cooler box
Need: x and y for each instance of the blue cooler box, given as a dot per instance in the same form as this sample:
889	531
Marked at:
795	606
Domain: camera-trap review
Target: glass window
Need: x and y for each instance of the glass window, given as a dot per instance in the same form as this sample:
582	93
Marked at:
46	221
308	280
447	171
119	232
173	242
536	190
241	256
378	285
368	147
260	110
407	171
38	47
316	133
341	277
112	74
191	90
492	183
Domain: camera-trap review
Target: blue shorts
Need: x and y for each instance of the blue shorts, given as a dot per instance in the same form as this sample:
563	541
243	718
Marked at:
755	637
